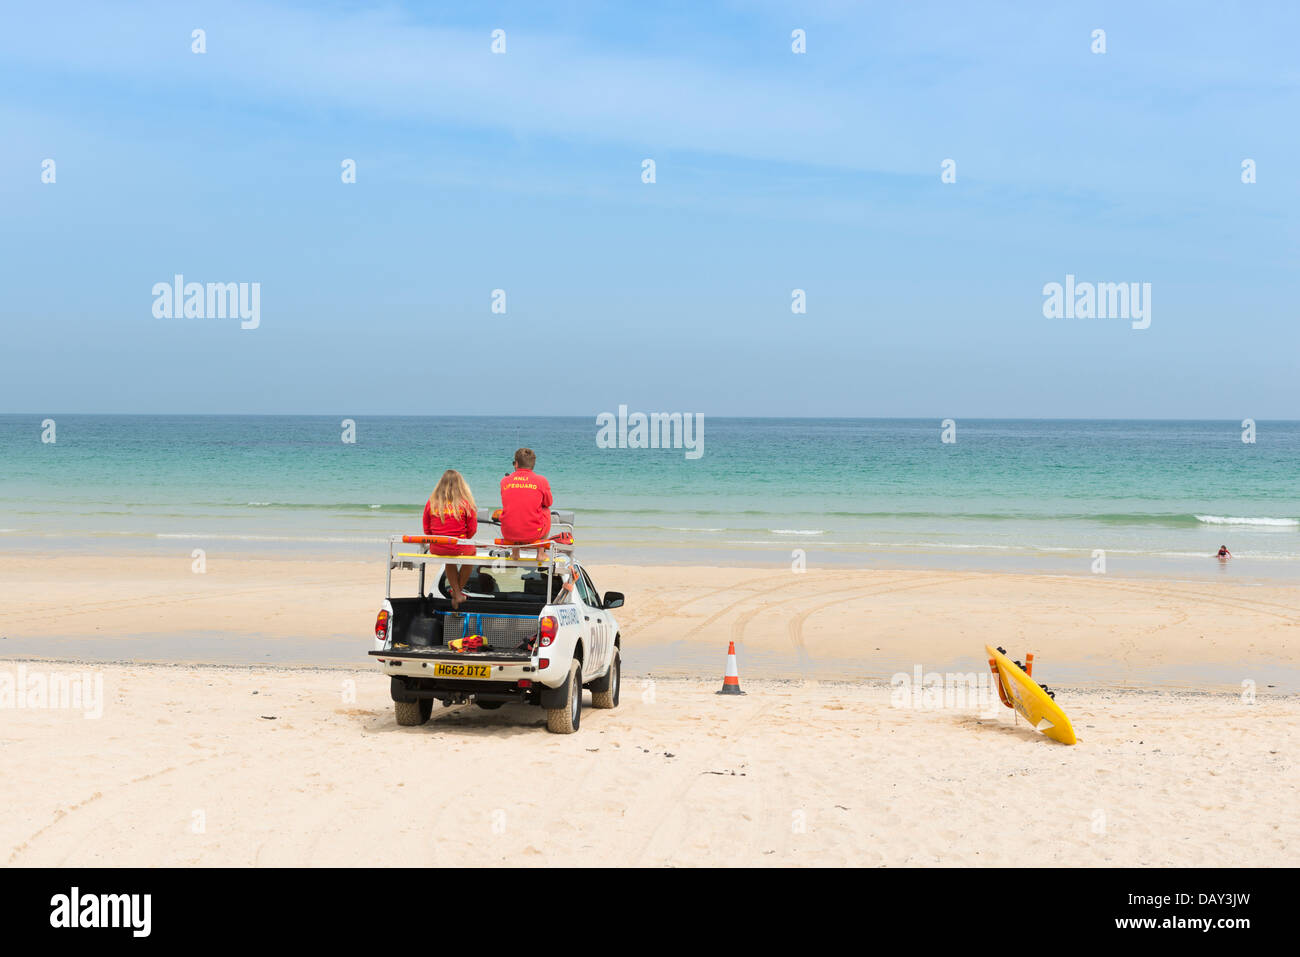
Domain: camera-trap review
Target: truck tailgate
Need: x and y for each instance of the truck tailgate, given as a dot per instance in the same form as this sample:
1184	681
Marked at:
443	654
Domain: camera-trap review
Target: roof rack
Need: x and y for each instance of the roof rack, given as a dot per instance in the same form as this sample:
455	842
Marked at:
559	546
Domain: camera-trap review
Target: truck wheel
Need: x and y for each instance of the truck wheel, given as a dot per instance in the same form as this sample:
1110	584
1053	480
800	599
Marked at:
608	698
565	720
415	712
488	705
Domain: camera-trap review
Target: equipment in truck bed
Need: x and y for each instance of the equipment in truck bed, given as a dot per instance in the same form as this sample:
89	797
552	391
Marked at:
531	629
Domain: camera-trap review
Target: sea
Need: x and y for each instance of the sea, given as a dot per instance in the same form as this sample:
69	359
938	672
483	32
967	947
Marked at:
1144	498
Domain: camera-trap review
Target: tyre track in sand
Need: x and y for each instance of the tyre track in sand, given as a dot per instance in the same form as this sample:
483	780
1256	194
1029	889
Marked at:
795	624
1288	613
731	606
93	813
660	808
664	609
41	613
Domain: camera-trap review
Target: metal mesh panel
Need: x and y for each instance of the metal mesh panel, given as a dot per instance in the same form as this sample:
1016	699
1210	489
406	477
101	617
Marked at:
503	632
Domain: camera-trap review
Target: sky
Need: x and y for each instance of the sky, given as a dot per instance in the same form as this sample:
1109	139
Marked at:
774	171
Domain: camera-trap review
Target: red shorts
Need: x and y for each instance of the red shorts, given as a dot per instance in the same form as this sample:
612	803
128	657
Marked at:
451	550
542	533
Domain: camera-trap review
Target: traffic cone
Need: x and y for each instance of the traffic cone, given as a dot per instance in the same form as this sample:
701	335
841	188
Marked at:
731	681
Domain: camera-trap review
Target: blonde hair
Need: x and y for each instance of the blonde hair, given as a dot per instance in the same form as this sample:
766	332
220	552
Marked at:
452	496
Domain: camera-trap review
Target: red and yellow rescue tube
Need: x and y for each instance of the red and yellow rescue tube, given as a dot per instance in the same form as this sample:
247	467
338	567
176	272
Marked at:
431	540
997	680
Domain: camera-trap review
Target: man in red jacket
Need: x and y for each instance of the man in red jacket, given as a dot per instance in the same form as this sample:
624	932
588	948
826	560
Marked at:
525	502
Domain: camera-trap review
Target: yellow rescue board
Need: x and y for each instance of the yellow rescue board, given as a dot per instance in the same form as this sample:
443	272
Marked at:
1031	701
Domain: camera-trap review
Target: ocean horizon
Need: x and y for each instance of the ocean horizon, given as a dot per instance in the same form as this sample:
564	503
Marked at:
1145	496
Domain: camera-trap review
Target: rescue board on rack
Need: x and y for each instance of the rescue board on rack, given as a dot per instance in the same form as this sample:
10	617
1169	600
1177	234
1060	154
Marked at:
1029	699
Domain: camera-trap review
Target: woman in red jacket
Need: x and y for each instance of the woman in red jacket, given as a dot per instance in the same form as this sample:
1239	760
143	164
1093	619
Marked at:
451	511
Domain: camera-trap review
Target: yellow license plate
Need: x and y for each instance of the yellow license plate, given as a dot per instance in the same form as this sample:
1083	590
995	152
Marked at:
458	670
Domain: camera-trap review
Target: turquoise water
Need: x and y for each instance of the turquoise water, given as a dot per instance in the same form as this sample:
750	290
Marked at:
1158	497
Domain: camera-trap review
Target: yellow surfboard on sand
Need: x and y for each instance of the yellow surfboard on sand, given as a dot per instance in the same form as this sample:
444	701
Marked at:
1030	700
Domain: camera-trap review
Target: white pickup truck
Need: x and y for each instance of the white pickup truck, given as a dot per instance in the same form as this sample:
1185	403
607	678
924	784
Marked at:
542	630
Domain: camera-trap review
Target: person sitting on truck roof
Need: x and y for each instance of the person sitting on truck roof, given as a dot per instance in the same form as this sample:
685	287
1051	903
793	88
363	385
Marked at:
525	503
451	511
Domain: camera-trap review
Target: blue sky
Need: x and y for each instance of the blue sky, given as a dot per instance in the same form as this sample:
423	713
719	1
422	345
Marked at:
775	171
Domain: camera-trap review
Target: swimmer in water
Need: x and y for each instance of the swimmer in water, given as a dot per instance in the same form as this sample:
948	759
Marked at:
1224	554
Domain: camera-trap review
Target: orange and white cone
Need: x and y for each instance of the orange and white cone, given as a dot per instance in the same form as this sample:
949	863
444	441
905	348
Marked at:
731	681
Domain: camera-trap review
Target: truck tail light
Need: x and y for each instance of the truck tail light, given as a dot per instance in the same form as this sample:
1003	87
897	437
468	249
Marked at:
381	625
546	630
543	664
525	683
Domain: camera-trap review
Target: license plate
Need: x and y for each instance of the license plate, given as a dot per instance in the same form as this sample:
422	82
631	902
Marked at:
458	670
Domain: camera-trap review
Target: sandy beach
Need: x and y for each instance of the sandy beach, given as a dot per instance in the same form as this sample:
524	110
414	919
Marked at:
824	623
224	766
267	741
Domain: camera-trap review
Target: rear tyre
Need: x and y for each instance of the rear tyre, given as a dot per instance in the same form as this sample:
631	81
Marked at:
565	720
411	713
608	698
488	705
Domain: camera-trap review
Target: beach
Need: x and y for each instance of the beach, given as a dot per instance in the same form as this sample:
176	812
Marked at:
241	725
822	623
212	583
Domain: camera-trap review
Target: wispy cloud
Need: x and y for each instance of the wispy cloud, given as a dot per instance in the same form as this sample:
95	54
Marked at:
890	92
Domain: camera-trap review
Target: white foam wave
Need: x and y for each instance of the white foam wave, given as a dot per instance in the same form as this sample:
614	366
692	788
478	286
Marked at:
1232	520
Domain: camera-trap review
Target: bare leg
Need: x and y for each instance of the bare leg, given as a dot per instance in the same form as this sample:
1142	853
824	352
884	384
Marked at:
454	586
